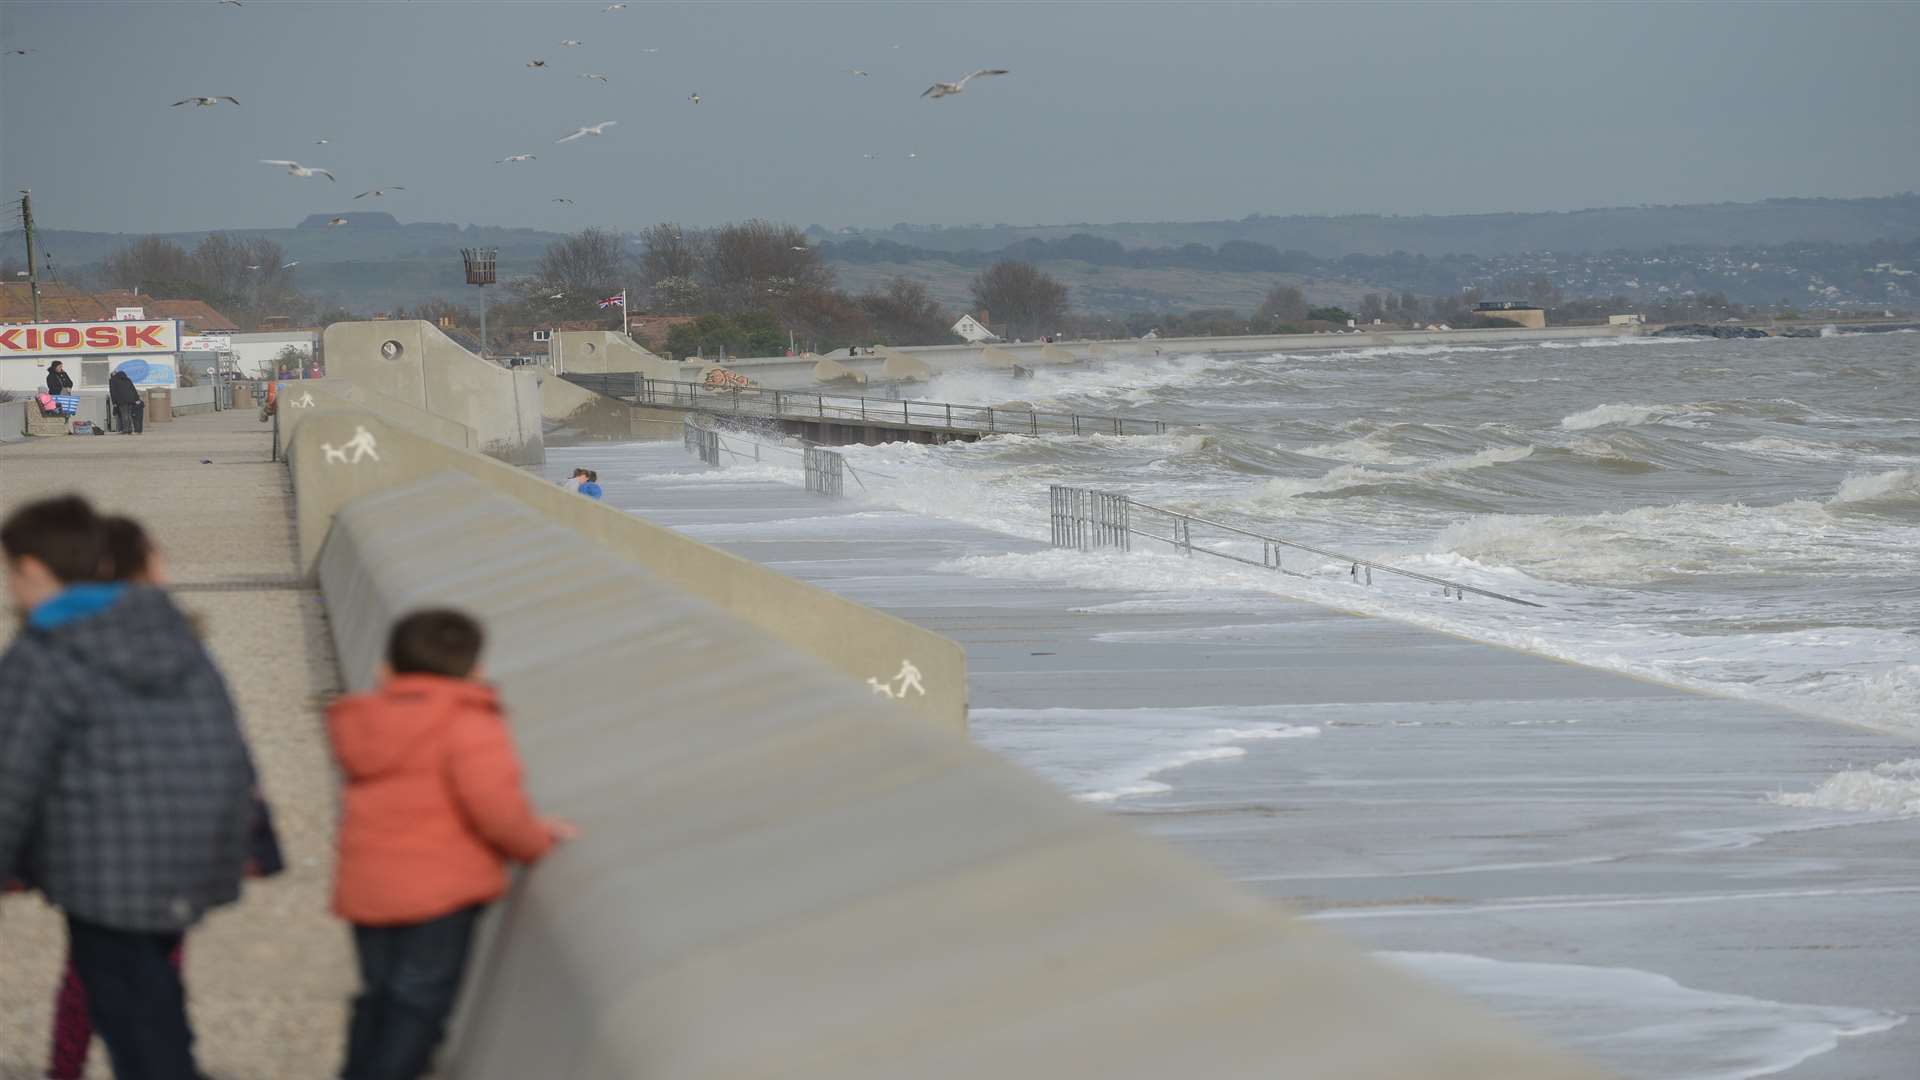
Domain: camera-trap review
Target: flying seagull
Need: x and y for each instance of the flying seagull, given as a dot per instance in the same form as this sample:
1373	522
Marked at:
562	198
235	3
296	169
597	129
379	191
856	71
20	52
569	44
291	265
694	97
204	102
614	7
336	221
593	75
942	89
319	142
510	158
254	266
536	62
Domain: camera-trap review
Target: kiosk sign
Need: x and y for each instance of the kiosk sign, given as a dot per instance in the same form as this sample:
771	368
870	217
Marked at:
76	339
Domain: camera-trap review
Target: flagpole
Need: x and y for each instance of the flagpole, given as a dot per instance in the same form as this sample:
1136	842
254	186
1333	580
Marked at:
623	311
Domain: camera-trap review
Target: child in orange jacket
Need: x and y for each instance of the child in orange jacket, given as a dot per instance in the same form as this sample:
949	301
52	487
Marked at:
432	811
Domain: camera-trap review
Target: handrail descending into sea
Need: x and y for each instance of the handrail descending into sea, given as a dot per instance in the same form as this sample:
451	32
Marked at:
1087	520
760	402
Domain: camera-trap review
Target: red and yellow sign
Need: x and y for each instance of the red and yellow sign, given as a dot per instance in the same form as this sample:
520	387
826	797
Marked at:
75	339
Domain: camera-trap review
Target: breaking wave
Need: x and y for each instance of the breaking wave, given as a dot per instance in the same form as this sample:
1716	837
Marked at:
1891	787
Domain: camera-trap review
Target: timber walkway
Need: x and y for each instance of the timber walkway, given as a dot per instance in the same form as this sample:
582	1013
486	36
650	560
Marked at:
839	419
269	976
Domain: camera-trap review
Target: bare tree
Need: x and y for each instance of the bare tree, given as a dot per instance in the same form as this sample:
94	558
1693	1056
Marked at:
1019	298
152	263
1372	308
905	313
588	262
1284	303
751	264
672	266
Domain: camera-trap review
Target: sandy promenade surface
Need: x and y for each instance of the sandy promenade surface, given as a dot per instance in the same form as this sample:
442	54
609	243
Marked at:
268	977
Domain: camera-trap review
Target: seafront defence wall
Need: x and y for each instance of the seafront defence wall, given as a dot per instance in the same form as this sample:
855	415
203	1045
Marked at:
780	877
596	352
414	363
340	455
573	413
297	400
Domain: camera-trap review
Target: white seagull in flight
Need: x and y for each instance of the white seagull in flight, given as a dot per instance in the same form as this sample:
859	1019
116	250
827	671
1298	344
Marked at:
205	102
291	265
336	221
510	158
614	7
296	169
562	198
569	44
593	75
536	62
378	192
597	129
942	89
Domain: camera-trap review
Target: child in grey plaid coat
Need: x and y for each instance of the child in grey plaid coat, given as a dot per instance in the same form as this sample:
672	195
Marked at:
126	787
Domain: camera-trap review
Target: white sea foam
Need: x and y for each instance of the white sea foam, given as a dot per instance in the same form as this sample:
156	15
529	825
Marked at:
1891	787
1373	448
1103	755
1360	476
1646	1025
1898	486
1623	415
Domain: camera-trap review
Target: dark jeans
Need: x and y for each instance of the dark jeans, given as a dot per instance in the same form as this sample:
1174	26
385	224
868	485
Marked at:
409	976
136	1000
130	416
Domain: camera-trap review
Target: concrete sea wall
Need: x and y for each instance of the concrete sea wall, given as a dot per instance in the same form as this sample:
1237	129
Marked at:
414	363
779	874
339	455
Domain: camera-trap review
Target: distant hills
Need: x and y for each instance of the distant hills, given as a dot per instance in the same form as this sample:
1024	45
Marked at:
375	262
1772	221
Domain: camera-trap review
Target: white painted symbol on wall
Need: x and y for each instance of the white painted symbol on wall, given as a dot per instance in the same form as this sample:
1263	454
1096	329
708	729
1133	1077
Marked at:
909	679
305	402
361	444
879	687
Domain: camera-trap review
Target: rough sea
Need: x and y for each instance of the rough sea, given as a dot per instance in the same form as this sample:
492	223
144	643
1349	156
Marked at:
1741	517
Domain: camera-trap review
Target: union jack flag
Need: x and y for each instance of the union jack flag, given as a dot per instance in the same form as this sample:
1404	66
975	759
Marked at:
618	300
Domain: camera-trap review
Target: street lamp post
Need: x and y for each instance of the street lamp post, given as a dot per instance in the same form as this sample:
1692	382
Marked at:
479	263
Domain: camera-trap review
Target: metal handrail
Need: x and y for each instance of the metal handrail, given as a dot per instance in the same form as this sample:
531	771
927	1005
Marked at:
1183	539
723	436
809	405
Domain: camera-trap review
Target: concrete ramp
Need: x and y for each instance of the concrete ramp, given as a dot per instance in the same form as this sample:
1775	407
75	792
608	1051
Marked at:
900	367
414	363
829	372
1054	354
994	356
778	877
598	352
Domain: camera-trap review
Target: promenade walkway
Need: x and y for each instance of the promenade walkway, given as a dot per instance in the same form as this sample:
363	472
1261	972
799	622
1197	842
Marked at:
268	977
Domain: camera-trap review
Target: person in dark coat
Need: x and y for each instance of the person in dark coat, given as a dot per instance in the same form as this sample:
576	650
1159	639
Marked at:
58	381
126	785
128	412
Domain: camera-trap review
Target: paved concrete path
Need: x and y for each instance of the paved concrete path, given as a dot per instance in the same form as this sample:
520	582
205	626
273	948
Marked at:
1587	834
270	976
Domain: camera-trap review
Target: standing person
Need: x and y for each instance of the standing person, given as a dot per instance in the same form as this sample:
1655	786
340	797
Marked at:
572	483
591	487
432	811
127	805
126	403
58	381
135	559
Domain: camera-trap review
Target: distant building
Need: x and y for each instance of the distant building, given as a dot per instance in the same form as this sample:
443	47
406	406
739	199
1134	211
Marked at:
974	331
1514	311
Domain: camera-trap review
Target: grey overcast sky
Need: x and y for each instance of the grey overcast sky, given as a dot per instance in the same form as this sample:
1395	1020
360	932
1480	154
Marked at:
1114	111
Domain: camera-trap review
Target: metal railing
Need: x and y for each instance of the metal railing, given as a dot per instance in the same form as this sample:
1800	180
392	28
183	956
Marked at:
711	442
754	401
1088	520
826	472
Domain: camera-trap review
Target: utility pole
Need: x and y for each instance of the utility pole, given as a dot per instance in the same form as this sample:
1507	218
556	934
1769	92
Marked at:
33	272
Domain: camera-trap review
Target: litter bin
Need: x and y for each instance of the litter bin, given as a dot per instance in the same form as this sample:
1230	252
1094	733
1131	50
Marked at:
159	405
